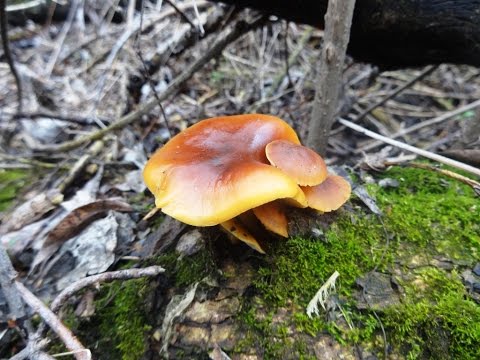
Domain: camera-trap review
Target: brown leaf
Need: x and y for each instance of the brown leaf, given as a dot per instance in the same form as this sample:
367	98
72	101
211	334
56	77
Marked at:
79	218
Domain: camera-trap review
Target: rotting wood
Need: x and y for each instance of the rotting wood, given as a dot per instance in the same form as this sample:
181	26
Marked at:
395	34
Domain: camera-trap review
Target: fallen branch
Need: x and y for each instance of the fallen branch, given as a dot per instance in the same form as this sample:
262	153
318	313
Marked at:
67	337
35	345
413	149
240	28
102	278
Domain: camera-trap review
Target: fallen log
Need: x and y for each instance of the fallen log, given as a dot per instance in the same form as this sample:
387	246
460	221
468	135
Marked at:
395	34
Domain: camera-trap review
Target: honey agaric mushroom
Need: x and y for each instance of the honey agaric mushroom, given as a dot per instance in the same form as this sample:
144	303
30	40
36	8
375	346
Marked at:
239	231
302	164
217	169
239	172
272	216
329	195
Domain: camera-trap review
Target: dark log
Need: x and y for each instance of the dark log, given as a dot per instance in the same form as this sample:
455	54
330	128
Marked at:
395	33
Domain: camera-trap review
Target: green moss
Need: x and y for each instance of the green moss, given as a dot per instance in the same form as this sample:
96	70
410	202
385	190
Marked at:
427	217
123	320
437	214
185	271
11	181
436	320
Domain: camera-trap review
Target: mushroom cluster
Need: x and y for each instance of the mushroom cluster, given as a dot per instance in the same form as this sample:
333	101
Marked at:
241	172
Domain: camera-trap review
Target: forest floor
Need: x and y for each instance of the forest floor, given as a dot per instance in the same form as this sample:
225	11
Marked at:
406	246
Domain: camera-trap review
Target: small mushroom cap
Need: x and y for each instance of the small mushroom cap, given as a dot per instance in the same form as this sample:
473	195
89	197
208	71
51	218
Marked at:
217	169
304	165
329	195
239	231
272	216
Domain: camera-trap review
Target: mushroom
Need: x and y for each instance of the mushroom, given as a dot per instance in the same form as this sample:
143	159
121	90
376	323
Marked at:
241	172
324	192
328	195
217	169
272	216
302	164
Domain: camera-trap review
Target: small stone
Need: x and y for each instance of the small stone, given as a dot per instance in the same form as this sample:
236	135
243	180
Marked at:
442	264
388	183
476	287
225	336
190	243
238	277
192	335
476	269
218	354
328	349
417	261
469	278
377	292
213	311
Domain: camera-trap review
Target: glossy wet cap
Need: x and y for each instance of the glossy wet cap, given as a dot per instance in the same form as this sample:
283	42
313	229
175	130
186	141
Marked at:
217	169
329	195
302	164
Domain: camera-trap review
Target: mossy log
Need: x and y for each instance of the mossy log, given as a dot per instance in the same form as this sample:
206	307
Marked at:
414	274
395	33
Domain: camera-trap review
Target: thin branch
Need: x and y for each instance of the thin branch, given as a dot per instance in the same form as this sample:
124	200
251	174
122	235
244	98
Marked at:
181	13
413	149
436	120
79	165
8	53
61	39
68	118
146	75
238	30
102	278
338	20
67	337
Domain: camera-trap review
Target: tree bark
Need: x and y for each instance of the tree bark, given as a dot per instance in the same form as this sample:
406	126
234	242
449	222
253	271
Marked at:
395	33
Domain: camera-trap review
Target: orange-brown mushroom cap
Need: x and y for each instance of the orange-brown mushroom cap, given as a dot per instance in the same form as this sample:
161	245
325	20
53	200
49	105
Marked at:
299	162
239	231
217	169
272	216
329	195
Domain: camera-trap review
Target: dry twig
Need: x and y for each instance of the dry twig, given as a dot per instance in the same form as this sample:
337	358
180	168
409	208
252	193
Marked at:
426	123
413	149
70	341
102	278
427	71
240	28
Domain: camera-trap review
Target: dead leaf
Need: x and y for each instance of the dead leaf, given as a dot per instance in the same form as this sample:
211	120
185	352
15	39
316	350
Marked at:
90	252
79	218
